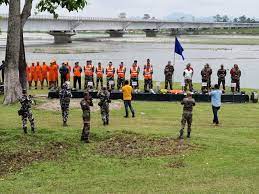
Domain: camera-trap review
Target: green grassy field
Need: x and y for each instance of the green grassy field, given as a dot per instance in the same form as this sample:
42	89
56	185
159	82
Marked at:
221	159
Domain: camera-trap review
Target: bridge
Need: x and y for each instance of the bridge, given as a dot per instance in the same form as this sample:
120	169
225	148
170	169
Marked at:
64	27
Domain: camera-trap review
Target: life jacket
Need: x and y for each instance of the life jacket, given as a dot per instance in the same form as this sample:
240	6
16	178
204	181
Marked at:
147	73
110	72
99	72
134	72
76	71
121	72
89	70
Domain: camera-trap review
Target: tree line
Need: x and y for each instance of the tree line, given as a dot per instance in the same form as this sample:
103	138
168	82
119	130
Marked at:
226	18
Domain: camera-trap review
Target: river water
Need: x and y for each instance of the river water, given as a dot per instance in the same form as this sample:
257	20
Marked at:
159	50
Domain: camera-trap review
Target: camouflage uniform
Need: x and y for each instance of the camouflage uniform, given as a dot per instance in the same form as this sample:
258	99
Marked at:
26	113
65	95
188	104
221	77
85	106
104	96
169	71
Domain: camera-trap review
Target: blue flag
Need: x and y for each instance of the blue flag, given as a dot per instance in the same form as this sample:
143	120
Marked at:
178	48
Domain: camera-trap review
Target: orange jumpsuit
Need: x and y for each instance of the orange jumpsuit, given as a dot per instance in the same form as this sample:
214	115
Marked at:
33	72
45	70
38	73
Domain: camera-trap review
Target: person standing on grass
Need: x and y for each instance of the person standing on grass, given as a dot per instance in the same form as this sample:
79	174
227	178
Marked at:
216	102
127	97
86	103
188	104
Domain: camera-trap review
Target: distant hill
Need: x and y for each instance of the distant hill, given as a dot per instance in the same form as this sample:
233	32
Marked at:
179	16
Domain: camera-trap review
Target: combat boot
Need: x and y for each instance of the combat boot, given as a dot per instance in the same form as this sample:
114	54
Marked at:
25	130
181	134
33	130
65	124
189	135
104	123
133	115
107	122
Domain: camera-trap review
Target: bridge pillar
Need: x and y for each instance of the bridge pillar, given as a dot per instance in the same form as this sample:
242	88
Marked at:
151	32
115	33
62	37
174	31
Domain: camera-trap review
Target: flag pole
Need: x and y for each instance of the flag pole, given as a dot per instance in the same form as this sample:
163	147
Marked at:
174	50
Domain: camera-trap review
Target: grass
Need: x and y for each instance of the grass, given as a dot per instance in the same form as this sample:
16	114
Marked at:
226	161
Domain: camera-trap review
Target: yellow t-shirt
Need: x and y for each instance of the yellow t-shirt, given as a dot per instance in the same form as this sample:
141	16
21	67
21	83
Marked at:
127	91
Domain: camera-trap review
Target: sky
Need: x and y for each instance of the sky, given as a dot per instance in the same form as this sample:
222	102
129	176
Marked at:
162	8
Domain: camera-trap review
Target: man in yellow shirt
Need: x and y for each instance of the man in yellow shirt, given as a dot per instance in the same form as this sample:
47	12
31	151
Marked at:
127	97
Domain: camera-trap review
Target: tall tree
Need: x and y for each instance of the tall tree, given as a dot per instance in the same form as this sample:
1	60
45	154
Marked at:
12	85
16	62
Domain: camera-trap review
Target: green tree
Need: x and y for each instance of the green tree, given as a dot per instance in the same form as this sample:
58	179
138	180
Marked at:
15	52
217	18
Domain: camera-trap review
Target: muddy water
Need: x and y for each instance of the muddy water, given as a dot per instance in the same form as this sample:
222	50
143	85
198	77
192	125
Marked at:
159	50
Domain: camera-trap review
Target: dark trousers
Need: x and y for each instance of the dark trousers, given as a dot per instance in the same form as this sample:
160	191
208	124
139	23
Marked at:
127	104
223	82
108	83
89	79
120	82
99	79
63	79
237	82
77	79
170	82
215	113
188	82
148	84
134	80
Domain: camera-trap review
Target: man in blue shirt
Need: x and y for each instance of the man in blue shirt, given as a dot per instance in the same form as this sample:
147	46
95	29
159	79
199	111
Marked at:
216	102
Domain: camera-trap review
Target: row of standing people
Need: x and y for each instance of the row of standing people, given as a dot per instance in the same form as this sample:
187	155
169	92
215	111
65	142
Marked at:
65	96
206	74
50	73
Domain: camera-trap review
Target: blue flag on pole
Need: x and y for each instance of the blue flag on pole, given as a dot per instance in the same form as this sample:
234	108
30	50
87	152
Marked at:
178	48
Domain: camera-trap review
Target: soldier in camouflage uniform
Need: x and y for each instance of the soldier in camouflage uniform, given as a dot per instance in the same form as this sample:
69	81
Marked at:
85	106
169	71
104	96
25	111
188	104
64	96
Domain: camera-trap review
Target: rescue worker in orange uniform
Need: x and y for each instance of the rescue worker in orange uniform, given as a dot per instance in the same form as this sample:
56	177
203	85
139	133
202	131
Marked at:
77	70
148	63
134	72
45	70
56	72
99	75
121	71
52	75
89	75
69	70
148	73
110	72
28	75
38	75
33	73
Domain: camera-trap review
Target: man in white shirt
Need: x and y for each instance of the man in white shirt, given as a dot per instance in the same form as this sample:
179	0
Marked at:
187	74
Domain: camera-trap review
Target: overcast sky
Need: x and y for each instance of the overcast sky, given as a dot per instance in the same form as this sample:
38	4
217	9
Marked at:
163	8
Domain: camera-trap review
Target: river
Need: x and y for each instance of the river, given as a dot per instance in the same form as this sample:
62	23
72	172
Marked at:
159	50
